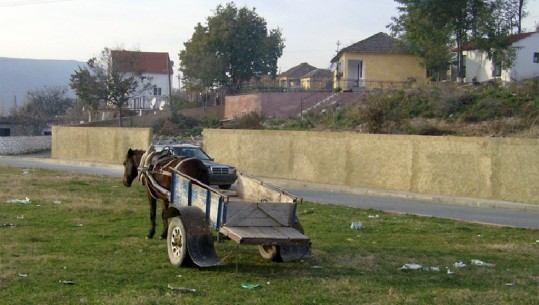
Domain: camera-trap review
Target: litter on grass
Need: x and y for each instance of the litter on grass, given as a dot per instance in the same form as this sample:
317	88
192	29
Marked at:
411	267
67	282
22	275
459	265
419	267
250	286
182	289
481	263
356	225
23	201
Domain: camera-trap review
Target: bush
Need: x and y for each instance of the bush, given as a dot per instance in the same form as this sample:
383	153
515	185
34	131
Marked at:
177	125
251	120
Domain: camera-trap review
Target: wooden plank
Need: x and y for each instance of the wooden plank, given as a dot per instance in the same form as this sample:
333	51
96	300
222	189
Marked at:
261	214
265	235
250	189
281	212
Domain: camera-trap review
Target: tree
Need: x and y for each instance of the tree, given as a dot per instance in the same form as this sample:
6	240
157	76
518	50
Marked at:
44	106
429	24
424	37
112	79
233	47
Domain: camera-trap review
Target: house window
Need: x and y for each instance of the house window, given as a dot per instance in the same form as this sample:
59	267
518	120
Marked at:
156	91
536	57
5	132
137	103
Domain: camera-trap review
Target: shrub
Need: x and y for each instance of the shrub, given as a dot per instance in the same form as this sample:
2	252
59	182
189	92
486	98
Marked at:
252	120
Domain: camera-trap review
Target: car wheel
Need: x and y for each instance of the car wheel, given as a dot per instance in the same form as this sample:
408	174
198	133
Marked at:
224	186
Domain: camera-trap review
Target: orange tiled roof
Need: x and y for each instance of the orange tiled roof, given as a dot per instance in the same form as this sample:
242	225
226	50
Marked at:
146	62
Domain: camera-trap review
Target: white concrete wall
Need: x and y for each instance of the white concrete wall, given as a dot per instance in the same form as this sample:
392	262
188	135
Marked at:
159	81
479	66
24	145
524	67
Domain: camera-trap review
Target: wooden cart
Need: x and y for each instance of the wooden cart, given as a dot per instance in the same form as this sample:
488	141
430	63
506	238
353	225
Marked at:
254	213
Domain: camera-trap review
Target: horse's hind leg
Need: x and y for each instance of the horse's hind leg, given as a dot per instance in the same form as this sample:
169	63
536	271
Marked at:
165	220
153	208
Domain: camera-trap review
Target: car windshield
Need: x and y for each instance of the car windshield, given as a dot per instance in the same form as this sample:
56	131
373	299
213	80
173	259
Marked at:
191	152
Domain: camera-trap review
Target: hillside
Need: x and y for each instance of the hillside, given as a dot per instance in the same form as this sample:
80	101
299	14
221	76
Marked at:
17	76
491	109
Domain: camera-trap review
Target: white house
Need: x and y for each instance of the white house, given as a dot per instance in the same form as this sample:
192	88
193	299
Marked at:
155	65
479	68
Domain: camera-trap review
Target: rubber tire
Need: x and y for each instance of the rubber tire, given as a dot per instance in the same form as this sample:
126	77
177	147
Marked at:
270	253
225	186
176	242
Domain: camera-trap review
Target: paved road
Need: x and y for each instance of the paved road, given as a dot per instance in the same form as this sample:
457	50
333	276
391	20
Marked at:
466	209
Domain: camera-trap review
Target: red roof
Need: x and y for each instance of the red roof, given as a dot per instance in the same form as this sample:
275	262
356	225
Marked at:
145	62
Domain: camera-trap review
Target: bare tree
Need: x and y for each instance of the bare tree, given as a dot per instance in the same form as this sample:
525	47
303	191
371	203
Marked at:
113	78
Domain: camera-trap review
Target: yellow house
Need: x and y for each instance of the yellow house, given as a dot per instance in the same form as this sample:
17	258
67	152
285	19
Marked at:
317	80
291	78
379	61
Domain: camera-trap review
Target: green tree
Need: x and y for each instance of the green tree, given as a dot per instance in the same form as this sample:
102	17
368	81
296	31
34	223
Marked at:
112	79
428	25
231	48
426	39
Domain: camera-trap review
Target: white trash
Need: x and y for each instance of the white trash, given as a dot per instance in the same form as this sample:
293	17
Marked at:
481	263
459	265
411	267
356	225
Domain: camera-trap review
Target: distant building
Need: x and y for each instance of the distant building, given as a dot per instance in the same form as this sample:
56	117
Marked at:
317	80
291	78
479	68
376	62
152	64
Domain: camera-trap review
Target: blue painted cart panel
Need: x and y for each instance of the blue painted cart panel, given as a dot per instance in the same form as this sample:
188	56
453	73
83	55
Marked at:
187	192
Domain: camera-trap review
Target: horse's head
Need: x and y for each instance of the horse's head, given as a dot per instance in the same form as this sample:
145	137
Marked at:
131	164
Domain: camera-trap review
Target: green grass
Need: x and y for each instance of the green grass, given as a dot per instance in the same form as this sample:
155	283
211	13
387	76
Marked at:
95	238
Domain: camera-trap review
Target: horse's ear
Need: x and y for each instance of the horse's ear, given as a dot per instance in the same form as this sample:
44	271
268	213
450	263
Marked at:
130	152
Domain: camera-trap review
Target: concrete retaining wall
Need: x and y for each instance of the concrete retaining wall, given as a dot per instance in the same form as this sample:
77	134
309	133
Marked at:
24	145
490	168
97	144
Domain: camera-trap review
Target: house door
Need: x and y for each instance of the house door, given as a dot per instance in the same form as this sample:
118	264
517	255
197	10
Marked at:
356	78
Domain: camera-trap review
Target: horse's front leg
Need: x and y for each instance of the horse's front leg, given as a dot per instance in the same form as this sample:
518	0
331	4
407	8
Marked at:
153	212
165	219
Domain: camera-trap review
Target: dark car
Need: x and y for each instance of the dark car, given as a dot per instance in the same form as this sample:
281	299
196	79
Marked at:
220	174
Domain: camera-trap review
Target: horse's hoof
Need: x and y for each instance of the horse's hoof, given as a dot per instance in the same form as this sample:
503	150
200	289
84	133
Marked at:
149	236
162	237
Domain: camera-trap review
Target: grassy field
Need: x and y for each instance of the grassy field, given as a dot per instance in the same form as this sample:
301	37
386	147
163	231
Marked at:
89	248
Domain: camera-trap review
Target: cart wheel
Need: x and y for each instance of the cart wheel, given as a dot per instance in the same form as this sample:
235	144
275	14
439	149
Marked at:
269	252
176	242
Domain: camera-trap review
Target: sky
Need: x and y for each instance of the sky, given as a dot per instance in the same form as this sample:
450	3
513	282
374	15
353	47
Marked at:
80	29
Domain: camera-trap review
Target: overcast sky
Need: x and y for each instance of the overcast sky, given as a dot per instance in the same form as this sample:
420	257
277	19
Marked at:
80	29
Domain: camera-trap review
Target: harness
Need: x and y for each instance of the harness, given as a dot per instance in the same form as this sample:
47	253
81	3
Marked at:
149	161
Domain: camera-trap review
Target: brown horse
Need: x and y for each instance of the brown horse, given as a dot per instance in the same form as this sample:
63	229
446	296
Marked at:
155	174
